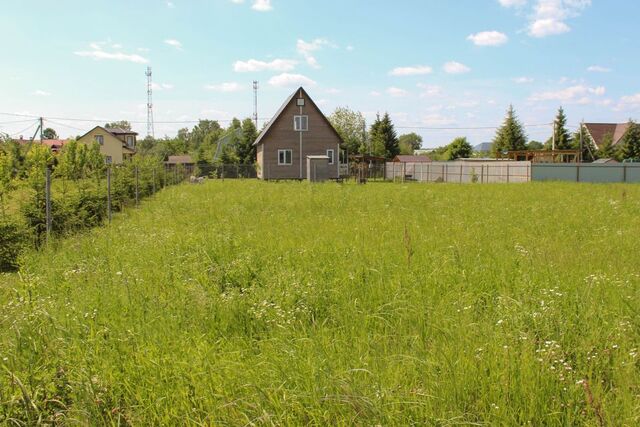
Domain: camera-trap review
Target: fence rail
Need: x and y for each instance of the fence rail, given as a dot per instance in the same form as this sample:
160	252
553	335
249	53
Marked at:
587	172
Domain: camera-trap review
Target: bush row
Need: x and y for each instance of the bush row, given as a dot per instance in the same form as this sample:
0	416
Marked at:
80	210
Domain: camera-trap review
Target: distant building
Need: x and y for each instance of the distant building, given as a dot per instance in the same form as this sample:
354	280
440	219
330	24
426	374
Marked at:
54	144
597	132
185	160
606	162
406	158
298	130
116	144
484	147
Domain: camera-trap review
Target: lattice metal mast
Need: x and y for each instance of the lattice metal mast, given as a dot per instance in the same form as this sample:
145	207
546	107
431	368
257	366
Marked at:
150	126
255	102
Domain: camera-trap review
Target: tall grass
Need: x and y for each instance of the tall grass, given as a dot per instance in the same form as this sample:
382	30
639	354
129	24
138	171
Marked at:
262	303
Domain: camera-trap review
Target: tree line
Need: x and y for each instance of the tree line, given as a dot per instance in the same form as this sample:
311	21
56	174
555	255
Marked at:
381	139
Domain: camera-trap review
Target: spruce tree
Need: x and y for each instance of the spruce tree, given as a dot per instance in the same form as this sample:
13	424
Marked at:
375	144
384	139
561	134
589	150
607	150
510	136
631	142
245	150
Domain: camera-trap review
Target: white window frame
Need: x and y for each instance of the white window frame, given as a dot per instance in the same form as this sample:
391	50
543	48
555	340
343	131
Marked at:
332	156
285	151
99	139
300	102
132	139
301	128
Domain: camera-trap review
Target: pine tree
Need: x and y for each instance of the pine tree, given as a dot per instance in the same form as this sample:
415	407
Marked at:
561	134
631	142
511	136
384	139
607	150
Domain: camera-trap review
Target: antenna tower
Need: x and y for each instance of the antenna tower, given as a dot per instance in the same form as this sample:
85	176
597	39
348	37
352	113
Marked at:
150	129
255	102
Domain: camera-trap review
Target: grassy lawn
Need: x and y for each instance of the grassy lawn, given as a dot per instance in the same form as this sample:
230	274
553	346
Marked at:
244	302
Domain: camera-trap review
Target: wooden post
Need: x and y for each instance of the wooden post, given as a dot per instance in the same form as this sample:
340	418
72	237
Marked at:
577	172
47	202
135	170
109	194
507	173
460	173
482	174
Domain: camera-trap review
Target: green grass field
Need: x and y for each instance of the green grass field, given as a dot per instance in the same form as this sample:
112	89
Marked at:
252	303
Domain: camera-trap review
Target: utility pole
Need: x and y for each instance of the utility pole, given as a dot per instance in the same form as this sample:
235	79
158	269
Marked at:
150	127
41	130
553	137
255	103
581	159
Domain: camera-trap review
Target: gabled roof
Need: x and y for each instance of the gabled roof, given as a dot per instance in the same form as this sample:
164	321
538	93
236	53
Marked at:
597	131
301	90
120	131
115	135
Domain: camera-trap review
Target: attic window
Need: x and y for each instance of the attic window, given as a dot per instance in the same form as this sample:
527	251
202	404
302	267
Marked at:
301	123
300	102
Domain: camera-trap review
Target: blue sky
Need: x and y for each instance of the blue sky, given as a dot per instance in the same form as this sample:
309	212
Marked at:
431	64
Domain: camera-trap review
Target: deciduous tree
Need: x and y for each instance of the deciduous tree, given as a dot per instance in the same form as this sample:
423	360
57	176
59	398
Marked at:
351	126
459	149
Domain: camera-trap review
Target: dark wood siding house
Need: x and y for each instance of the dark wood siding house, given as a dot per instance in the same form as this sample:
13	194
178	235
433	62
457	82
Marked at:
298	130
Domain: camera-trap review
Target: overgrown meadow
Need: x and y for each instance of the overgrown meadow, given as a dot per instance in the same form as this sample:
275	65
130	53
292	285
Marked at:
253	303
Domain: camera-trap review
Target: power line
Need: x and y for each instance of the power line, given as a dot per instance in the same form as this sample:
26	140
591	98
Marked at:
64	125
25	129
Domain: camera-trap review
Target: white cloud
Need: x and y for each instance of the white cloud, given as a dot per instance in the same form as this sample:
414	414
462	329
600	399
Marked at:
225	87
513	3
237	1
549	16
417	70
98	54
306	48
254	65
578	93
598	69
397	92
174	43
161	86
523	80
170	4
429	91
437	120
350	48
262	5
631	100
374	93
488	38
41	93
290	80
454	67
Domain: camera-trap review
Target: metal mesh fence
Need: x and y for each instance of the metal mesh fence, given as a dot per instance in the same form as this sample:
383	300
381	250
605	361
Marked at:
460	172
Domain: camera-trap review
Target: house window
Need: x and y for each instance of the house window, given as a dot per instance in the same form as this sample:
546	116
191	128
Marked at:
301	123
330	155
300	102
100	139
108	160
285	157
130	141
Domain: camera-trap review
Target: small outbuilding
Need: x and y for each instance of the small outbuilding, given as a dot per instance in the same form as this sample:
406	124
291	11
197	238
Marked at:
318	168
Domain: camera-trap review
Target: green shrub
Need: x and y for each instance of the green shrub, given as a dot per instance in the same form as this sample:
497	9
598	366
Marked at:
13	240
